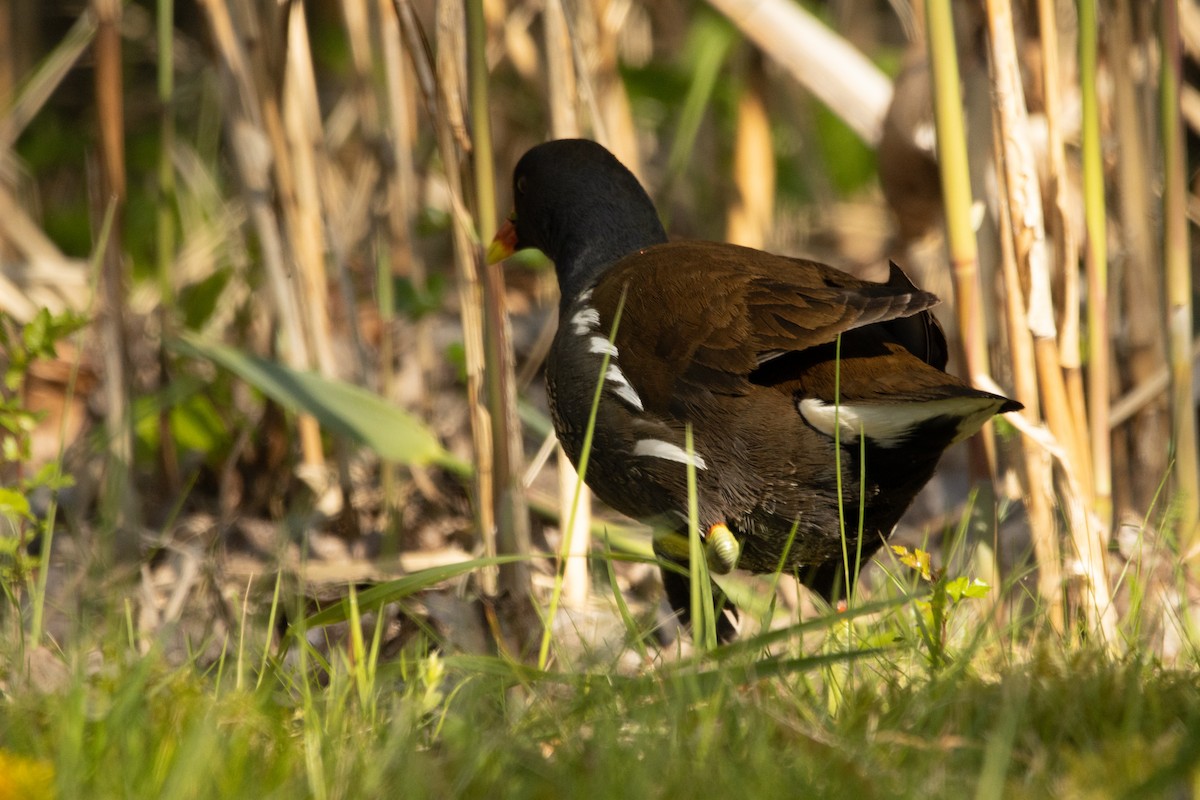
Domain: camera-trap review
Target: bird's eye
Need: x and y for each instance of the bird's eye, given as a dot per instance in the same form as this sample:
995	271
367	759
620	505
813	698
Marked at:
521	182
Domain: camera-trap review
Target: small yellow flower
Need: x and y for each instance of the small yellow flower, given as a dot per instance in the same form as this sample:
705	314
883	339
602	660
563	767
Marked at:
23	778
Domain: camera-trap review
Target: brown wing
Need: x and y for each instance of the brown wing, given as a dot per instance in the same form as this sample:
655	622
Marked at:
754	308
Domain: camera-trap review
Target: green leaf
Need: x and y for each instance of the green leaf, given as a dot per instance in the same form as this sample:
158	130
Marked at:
14	504
195	423
11	449
45	329
340	407
197	426
962	587
50	475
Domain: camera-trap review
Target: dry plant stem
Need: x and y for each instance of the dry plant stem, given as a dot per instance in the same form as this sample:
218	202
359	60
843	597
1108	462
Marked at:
308	210
445	78
560	72
1142	287
399	101
263	79
564	123
1097	266
1180	320
1036	460
120	494
401	132
615	112
753	207
956	191
512	514
828	66
583	79
1022	193
361	19
373	62
1058	224
302	207
249	119
419	73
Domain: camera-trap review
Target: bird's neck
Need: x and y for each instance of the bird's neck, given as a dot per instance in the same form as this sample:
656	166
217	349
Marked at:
583	255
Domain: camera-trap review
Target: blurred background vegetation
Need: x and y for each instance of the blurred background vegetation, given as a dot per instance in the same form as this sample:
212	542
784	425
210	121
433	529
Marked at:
228	227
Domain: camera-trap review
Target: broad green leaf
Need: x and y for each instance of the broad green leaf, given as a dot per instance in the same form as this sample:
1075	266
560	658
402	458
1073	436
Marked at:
340	407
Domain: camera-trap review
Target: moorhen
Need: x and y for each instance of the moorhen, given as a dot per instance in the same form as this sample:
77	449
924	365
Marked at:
743	347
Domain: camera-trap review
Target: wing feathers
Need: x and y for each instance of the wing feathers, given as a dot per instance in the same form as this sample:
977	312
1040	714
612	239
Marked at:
730	310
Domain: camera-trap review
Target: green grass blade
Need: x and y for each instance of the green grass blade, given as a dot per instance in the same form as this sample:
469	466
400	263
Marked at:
401	588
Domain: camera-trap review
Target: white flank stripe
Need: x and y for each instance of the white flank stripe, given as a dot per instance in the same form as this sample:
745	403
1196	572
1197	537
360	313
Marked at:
924	136
598	344
622	388
657	448
888	425
585	320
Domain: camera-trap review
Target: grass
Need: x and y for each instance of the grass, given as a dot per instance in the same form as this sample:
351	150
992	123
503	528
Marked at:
837	705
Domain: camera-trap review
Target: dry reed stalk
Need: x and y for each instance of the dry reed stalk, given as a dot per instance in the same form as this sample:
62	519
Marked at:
120	502
956	193
751	213
575	515
615	113
402	184
1142	294
560	72
580	37
361	17
374	36
445	82
1062	234
302	207
252	117
1096	251
326	216
826	64
1022	193
1035	459
1177	262
309	213
512	513
447	128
